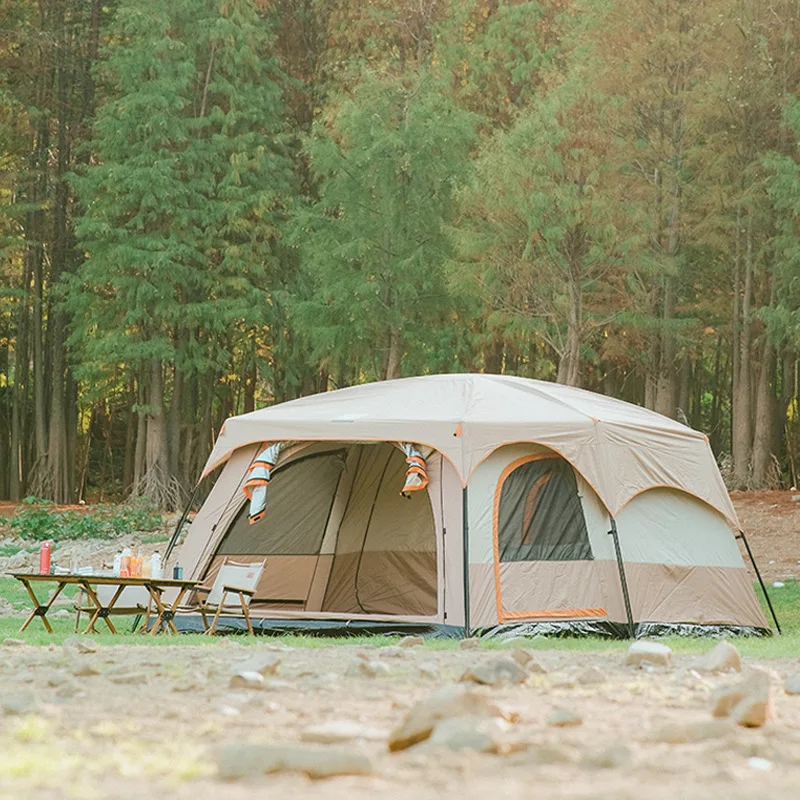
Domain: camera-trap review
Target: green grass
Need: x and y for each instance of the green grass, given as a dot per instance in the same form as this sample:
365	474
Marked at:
786	601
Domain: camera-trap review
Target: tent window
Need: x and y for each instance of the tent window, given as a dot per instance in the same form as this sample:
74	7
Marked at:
540	517
299	503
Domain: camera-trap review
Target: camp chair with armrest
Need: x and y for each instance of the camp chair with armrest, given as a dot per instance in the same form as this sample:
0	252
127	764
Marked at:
233	578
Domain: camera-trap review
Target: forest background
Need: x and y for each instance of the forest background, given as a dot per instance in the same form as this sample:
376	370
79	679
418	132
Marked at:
211	205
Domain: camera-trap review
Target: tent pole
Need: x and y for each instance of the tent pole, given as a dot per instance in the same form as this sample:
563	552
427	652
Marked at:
174	540
760	579
465	524
623	581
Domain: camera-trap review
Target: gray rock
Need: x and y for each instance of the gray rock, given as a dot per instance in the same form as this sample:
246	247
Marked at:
792	685
14	643
85	670
723	658
392	651
469	733
653	653
564	718
62	613
317	761
428	670
360	667
80	644
497	672
591	676
19	562
683	733
5	607
446	703
749	703
343	731
263	663
411	641
470	644
247	680
549	753
18	703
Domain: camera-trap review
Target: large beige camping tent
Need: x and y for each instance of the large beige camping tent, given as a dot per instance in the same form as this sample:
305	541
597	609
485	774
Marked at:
545	507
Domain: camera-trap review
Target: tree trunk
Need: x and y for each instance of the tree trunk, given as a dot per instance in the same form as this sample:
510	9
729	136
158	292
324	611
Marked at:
141	434
742	412
156	484
766	403
394	355
572	355
19	398
667	389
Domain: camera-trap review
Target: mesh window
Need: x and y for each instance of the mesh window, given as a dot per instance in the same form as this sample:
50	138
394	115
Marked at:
540	517
299	500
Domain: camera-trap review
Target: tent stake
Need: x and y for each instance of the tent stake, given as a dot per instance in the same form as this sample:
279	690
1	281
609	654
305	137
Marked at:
623	581
174	540
760	579
465	523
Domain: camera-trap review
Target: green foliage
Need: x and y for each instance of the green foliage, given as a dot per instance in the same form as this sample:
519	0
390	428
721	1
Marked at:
40	523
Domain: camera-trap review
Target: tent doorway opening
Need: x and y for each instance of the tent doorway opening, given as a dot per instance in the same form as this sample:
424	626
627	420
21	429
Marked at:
339	537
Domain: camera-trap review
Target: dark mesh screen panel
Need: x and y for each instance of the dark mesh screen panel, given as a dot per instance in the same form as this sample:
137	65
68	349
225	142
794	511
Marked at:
540	517
299	500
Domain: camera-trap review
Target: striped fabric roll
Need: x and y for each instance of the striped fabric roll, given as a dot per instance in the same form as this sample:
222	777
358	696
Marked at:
416	474
255	487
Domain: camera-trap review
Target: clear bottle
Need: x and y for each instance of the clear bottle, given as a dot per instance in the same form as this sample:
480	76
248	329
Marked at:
117	564
125	563
156	570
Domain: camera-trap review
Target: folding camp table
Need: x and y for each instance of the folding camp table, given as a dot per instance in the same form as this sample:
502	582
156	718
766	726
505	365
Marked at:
155	587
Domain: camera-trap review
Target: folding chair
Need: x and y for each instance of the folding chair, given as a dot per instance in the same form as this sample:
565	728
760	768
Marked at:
232	579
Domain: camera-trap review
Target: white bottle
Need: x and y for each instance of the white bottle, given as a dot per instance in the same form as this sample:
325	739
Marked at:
117	564
155	566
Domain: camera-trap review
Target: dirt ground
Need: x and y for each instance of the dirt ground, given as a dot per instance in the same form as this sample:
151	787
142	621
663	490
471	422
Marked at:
771	522
152	721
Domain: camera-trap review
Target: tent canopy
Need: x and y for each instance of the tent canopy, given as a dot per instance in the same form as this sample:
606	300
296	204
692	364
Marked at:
620	449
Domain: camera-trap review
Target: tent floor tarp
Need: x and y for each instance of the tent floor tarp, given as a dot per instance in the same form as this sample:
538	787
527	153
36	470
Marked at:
192	623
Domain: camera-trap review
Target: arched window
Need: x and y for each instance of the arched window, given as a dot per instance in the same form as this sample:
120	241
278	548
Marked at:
539	516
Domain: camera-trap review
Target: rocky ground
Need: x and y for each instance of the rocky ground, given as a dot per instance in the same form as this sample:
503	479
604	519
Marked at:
200	723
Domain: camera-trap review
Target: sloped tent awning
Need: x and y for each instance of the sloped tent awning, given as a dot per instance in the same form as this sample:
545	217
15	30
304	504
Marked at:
620	449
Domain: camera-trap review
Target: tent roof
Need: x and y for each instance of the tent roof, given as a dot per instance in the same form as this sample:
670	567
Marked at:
619	448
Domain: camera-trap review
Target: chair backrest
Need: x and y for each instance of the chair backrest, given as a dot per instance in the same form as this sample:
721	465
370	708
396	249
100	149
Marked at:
240	576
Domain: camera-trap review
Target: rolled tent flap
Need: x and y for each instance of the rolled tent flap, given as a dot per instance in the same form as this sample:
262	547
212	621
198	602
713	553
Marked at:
255	487
417	473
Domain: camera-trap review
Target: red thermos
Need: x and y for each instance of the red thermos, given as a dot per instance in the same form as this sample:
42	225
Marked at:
44	558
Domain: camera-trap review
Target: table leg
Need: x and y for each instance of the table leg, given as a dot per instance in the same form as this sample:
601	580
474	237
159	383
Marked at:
102	611
165	614
38	609
155	596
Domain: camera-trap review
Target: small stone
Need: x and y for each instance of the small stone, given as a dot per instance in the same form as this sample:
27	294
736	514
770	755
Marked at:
247	680
18	703
591	676
317	761
684	733
392	651
85	670
792	685
469	733
14	643
428	670
128	678
446	703
612	757
548	753
564	718
262	663
643	652
360	667
411	641
343	731
723	658
80	644
749	703
62	613
760	764
470	644
496	672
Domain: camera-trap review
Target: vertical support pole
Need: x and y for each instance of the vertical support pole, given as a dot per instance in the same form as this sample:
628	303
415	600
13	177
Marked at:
623	581
760	579
465	524
174	540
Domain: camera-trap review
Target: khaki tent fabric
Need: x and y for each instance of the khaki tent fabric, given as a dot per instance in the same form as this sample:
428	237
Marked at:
618	448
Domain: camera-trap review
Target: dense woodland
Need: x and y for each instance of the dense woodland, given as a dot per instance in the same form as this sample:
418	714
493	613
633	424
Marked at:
211	205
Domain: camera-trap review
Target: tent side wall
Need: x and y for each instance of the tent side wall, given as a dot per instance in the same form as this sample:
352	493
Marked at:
681	560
